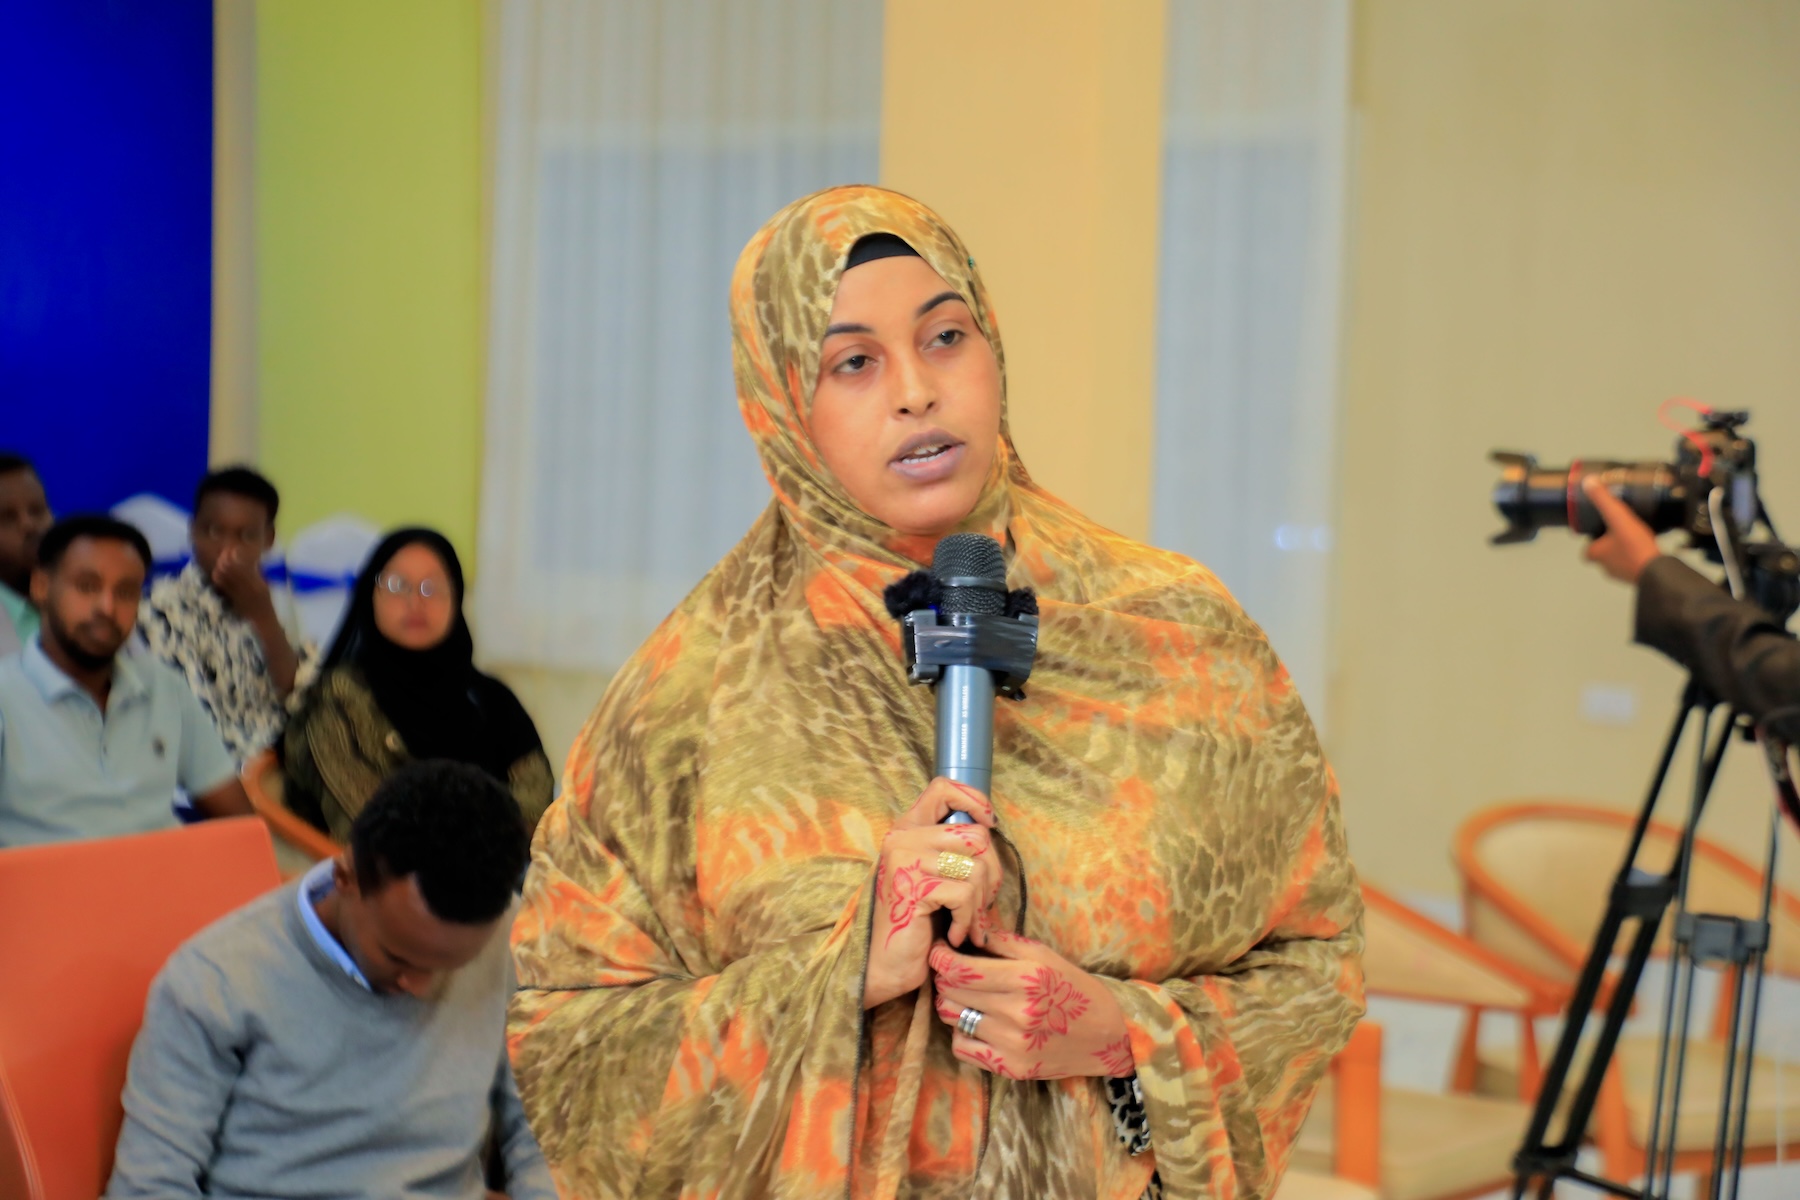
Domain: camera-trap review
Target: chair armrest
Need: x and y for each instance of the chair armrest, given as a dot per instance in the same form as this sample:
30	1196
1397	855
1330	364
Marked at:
1411	957
282	821
19	1176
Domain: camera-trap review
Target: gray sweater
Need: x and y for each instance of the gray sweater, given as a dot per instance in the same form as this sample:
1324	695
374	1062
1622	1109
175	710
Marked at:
263	1070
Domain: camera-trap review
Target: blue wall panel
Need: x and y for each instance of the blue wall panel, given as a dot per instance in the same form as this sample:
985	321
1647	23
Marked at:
106	244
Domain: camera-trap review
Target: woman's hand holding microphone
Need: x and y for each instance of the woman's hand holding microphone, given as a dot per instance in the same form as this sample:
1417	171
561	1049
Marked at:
925	867
1021	1010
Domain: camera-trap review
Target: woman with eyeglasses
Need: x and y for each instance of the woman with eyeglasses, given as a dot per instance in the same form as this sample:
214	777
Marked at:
398	685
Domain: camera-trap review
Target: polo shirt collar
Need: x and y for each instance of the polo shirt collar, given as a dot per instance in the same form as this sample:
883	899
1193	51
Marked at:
128	682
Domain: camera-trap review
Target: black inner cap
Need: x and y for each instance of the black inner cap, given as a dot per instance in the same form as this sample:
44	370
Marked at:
877	245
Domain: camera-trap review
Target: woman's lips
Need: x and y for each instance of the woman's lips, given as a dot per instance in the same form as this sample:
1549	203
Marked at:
929	470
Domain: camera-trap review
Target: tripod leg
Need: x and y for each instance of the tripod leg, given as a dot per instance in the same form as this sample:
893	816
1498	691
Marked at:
1665	1125
1758	962
1675	1043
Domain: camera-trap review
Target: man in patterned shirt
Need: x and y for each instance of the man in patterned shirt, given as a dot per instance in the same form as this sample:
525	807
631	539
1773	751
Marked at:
216	622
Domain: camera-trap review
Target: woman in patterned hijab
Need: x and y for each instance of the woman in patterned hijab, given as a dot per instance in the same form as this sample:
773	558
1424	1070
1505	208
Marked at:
729	984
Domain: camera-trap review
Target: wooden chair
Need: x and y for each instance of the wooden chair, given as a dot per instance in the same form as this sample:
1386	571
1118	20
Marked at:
1431	1145
298	844
84	927
1536	876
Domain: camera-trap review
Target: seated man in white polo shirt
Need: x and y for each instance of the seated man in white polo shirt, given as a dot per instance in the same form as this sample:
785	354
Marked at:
92	743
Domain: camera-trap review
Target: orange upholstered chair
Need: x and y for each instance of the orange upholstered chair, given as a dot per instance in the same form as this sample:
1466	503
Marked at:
84	926
1536	875
297	843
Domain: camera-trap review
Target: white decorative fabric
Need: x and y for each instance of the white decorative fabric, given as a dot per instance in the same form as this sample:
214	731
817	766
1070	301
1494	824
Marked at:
1252	244
164	526
322	562
637	147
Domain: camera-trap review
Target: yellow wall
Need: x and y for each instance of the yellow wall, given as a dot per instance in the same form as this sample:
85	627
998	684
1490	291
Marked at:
1035	128
369	259
1563	214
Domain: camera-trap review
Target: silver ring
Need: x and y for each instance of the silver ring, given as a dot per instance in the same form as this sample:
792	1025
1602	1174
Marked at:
971	1017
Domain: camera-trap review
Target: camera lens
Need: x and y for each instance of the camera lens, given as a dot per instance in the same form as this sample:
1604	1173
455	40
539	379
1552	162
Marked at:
1531	497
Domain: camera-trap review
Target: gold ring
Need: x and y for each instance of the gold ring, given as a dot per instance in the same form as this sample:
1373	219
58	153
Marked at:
952	865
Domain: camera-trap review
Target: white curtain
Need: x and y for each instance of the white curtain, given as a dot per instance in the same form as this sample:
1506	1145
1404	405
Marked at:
637	145
1252	245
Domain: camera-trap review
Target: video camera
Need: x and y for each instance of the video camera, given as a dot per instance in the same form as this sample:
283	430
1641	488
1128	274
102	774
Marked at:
1715	458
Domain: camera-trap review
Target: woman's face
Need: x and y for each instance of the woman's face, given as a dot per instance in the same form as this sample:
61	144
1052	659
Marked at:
414	605
906	413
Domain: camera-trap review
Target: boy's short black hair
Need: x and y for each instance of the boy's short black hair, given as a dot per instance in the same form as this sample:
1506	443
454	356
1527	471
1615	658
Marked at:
455	827
64	533
239	481
10	462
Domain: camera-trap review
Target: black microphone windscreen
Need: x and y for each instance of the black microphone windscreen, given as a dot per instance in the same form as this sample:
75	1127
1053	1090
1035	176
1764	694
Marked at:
975	562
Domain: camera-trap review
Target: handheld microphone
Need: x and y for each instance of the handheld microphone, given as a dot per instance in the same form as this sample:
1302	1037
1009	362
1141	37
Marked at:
971	638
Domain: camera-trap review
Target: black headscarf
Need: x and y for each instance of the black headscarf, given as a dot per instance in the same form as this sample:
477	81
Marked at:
439	703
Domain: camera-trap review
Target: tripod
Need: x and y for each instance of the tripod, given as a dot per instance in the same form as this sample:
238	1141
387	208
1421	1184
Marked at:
1636	906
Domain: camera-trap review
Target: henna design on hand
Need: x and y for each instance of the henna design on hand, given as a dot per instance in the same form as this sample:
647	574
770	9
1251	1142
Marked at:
1117	1058
988	1059
953	973
911	885
1051	1003
973	794
966	835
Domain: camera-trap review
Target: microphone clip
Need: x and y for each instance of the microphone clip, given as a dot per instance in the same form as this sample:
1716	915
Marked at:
1004	645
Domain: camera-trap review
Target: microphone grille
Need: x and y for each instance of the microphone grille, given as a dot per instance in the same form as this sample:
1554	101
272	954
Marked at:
964	556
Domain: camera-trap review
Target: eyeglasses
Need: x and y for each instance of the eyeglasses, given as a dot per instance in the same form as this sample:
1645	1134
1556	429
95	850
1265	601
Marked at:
425	589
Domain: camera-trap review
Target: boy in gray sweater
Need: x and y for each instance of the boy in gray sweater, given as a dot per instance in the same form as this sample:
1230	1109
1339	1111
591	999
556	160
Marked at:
343	1037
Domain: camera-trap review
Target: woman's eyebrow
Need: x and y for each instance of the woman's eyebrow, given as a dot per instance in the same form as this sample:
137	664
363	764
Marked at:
924	308
935	301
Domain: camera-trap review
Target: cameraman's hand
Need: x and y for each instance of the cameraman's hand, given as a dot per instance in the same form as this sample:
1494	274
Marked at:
1628	545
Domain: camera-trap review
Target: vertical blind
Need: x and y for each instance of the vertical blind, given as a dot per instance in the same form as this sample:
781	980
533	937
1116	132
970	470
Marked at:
637	146
1256	121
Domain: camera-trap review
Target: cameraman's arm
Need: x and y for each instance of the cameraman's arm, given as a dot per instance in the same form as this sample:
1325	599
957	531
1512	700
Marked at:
1735	649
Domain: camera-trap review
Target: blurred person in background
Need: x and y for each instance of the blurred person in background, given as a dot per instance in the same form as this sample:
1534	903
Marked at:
399	684
344	1035
94	743
24	519
217	622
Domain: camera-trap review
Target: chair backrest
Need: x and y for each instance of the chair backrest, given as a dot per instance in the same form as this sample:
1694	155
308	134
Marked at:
322	563
84	927
164	526
1537	873
297	844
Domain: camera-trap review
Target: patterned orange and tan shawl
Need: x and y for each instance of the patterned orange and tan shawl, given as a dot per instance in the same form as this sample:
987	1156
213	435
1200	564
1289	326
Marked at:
697	915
